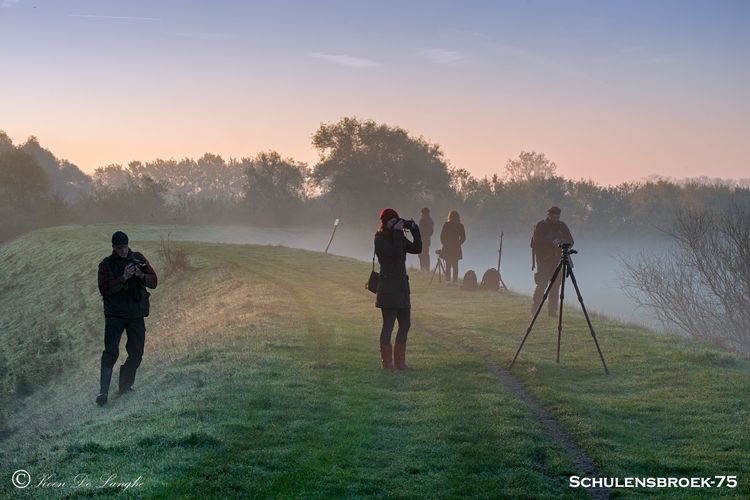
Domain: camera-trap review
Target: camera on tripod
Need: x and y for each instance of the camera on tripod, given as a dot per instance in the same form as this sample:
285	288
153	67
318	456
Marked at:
564	270
439	266
567	248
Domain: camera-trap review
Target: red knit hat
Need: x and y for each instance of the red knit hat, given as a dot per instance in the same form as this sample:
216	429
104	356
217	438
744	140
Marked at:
387	214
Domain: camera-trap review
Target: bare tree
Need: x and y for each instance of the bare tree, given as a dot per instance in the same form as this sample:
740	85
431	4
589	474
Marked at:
702	285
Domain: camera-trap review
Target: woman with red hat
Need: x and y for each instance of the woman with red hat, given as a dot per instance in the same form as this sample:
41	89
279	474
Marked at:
391	247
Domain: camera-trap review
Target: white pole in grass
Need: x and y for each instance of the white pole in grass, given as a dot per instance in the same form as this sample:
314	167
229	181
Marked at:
335	225
499	259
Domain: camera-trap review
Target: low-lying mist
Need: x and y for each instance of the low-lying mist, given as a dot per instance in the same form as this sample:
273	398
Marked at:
597	266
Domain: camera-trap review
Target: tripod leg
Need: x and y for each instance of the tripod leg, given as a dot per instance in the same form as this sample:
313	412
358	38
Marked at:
536	314
435	270
502	284
562	298
588	320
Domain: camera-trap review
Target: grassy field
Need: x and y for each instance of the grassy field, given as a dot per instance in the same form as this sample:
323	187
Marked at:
261	378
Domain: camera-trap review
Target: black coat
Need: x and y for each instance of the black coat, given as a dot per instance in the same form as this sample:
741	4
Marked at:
452	237
427	227
391	248
128	299
545	232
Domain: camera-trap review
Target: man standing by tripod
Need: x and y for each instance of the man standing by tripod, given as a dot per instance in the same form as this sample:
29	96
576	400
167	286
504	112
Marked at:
427	226
548	235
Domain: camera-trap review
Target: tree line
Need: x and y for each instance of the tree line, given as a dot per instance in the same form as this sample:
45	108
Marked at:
363	166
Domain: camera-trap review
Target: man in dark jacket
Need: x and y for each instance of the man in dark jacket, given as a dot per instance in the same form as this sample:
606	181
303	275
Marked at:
391	247
427	226
123	278
548	235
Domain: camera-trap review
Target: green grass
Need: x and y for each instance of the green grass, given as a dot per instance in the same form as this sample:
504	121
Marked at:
261	379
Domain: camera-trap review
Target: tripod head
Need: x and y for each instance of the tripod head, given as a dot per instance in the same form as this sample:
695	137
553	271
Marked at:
567	249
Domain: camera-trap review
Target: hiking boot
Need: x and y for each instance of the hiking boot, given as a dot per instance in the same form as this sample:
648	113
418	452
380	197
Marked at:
386	357
399	357
104	378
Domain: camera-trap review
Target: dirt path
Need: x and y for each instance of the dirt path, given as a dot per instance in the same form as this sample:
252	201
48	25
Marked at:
584	465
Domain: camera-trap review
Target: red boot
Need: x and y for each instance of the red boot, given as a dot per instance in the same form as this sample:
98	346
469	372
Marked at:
386	356
399	356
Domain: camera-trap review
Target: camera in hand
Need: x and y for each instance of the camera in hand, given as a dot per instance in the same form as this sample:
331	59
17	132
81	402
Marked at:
139	264
409	224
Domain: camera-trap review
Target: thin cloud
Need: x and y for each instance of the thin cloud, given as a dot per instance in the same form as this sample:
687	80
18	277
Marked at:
7	4
524	55
126	18
656	59
342	60
202	35
442	56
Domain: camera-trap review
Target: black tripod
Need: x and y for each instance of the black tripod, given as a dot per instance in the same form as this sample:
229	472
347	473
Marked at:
566	267
439	268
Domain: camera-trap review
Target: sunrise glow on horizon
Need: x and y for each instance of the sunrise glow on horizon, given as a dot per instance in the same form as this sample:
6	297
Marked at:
612	91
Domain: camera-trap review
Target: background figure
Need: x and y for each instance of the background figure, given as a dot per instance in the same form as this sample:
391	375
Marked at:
426	227
391	247
545	242
123	278
452	237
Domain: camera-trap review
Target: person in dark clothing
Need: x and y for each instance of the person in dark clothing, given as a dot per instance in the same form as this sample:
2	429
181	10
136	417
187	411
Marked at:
452	236
123	278
391	247
548	235
426	226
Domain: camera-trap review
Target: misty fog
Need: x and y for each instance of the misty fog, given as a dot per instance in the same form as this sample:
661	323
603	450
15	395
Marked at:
597	266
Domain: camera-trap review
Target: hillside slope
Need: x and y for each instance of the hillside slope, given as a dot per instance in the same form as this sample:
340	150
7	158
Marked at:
261	378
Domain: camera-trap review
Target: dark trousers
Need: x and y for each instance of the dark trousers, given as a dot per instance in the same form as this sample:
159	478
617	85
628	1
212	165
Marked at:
541	278
424	258
136	330
451	265
389	321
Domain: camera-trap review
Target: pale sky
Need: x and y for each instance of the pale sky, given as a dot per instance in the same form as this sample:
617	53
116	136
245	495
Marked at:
612	91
